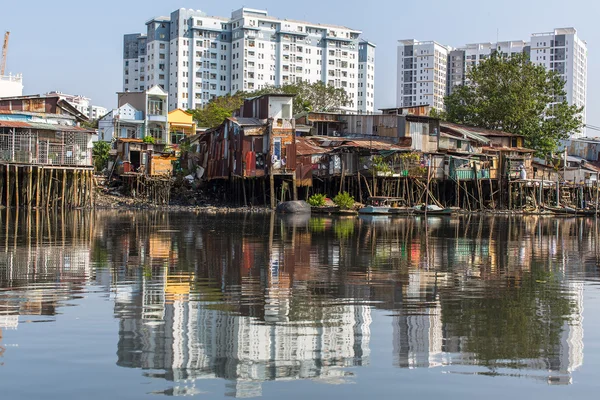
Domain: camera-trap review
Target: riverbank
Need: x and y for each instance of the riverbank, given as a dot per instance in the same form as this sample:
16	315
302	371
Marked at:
105	200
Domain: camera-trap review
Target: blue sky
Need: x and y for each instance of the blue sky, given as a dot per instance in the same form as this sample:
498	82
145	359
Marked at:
76	46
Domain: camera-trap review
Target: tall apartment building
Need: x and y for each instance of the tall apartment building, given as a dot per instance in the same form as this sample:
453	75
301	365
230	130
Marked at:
563	51
560	50
366	77
196	57
422	74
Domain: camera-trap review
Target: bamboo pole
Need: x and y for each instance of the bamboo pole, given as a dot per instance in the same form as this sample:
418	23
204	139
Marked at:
7	187
37	188
30	195
75	188
64	187
17	186
49	188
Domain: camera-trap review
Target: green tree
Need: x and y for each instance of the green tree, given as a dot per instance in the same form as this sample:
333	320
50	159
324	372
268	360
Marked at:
100	155
514	95
316	97
91	124
217	110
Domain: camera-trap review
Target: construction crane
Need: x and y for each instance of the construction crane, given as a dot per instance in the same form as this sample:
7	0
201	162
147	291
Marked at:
4	51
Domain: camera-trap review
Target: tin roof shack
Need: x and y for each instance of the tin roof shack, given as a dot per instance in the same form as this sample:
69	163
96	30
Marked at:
464	153
586	148
311	160
44	144
258	141
319	124
44	139
580	171
419	111
41	104
277	129
133	156
545	172
506	147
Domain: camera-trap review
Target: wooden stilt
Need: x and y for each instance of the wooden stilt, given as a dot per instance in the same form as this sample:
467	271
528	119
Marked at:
64	187
30	195
17	186
7	188
295	188
37	188
49	189
272	190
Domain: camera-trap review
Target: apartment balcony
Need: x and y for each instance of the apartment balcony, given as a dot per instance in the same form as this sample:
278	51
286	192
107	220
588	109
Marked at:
157	118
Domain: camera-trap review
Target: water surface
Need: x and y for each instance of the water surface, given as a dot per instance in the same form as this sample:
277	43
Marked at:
131	305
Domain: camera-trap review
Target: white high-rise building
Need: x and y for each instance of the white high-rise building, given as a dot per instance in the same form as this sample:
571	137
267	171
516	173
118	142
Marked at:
422	74
195	57
563	51
366	77
560	50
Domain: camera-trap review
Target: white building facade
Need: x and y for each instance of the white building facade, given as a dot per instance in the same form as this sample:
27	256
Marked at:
422	73
196	57
11	85
366	77
560	50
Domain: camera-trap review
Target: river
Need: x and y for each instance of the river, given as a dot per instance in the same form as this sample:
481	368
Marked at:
128	305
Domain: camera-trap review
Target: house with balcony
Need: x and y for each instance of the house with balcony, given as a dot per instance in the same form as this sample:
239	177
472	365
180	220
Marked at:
153	105
122	122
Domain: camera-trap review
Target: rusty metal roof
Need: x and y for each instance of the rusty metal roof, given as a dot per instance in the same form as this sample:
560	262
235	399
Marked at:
305	147
375	144
14	124
476	130
43	126
247	121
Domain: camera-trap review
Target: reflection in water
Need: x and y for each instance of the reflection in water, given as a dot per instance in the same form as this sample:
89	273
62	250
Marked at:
252	299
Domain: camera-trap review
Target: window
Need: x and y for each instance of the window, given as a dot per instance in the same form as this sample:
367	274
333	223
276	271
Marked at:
277	149
286	111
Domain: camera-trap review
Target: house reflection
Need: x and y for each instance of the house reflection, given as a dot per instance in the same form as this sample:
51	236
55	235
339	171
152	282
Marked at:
252	299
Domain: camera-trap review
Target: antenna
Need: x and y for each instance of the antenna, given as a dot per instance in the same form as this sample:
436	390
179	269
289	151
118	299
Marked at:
4	51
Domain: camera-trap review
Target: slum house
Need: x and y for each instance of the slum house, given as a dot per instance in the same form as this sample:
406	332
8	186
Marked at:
510	160
45	156
144	169
256	144
363	166
420	163
586	148
471	175
417	135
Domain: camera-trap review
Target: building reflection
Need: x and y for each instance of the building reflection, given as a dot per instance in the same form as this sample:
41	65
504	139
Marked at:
45	261
252	299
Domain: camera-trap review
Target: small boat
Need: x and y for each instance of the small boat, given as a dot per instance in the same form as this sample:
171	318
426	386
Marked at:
568	210
380	206
432	209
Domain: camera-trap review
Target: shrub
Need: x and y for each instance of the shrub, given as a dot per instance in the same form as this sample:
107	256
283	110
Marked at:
317	200
100	155
149	139
344	201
